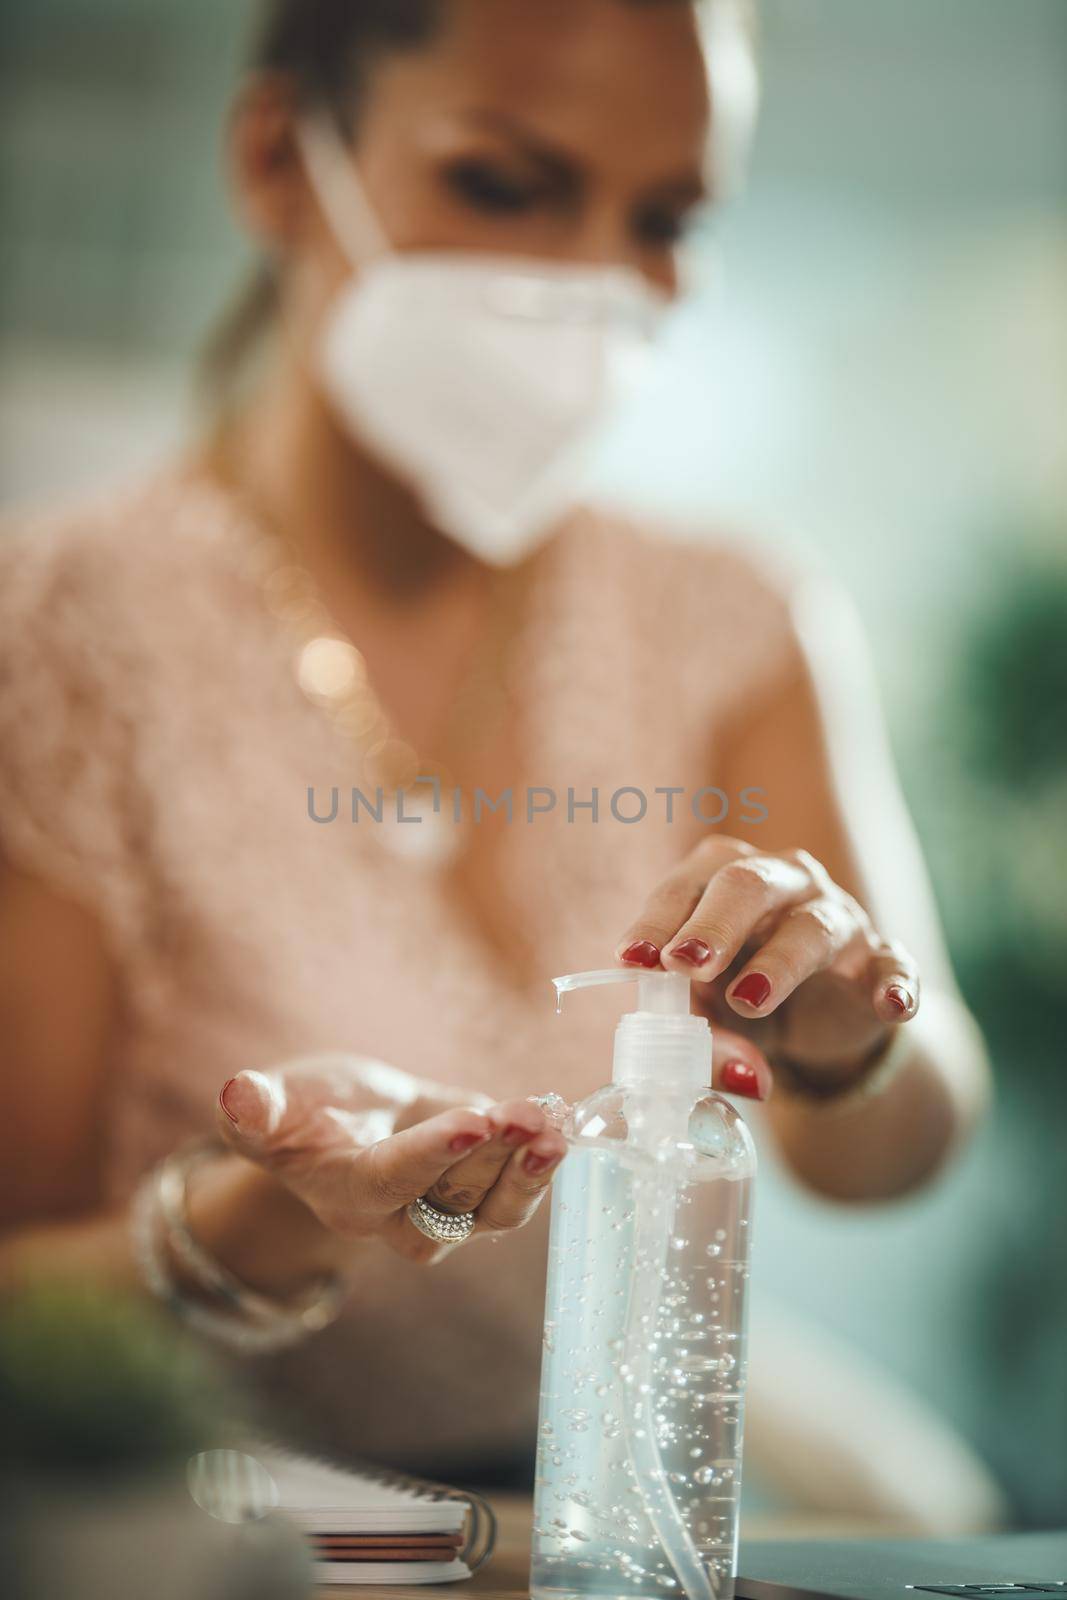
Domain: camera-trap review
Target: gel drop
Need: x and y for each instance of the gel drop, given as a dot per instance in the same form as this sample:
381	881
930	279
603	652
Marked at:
642	1382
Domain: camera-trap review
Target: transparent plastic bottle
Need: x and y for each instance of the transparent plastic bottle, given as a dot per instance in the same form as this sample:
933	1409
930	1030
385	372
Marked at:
639	1452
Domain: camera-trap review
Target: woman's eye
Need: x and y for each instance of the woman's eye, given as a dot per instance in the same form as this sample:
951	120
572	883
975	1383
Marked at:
659	227
488	188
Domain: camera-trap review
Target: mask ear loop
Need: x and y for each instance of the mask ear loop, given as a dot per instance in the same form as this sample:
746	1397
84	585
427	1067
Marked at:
733	79
340	191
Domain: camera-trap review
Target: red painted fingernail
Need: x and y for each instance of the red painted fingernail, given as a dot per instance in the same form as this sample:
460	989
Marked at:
466	1141
740	1078
535	1164
694	952
754	988
643	953
227	1089
898	997
515	1133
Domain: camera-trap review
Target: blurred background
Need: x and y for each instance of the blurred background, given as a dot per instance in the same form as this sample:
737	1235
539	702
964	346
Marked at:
881	373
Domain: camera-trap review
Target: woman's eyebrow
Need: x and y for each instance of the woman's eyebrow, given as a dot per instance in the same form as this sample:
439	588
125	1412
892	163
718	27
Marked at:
688	185
531	143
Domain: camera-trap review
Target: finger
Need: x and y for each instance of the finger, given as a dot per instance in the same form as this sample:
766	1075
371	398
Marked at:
894	983
522	1185
513	1130
739	1067
464	1186
673	901
388	1175
809	937
741	894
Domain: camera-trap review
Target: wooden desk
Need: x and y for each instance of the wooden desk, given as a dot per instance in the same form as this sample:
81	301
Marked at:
506	1574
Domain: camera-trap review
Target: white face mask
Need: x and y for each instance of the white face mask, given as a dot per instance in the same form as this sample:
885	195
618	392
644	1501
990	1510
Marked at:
478	378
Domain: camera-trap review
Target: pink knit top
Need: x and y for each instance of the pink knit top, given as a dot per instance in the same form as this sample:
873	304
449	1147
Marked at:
156	752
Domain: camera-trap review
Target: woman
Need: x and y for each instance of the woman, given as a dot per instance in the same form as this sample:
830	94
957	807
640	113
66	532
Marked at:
190	898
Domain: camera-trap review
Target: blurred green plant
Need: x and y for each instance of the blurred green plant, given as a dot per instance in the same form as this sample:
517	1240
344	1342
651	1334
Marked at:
991	799
97	1384
991	803
1014	679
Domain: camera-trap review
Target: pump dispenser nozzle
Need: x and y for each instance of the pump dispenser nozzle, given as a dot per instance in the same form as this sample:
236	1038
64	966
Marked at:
661	1040
663	992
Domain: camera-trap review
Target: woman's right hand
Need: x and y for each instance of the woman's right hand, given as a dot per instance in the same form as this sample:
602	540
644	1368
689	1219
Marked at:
356	1141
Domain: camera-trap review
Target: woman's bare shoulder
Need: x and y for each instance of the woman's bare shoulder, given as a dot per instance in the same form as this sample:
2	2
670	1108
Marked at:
118	575
698	569
669	549
79	541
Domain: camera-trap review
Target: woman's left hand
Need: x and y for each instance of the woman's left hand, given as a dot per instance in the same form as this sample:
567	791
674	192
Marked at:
783	959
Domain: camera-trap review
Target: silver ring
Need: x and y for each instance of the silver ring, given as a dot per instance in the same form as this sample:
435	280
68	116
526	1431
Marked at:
444	1227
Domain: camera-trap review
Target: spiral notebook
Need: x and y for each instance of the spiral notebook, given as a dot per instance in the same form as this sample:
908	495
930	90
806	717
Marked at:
371	1526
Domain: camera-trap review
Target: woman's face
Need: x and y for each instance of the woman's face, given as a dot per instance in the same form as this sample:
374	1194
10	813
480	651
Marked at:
572	130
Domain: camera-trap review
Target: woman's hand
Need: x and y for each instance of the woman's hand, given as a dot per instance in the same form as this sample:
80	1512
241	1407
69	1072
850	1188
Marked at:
783	958
356	1141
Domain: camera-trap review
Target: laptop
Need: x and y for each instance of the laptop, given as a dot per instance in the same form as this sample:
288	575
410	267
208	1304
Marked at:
1020	1564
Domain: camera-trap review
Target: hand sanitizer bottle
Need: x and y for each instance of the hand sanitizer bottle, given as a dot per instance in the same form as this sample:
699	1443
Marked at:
639	1449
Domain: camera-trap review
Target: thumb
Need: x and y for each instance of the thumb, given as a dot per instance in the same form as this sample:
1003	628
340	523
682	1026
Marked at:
251	1109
